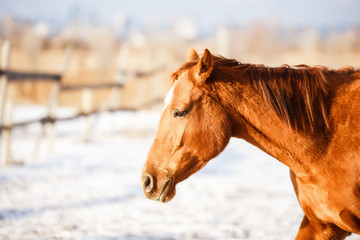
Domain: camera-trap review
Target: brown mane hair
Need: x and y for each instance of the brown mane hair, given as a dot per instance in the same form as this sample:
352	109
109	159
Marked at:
299	95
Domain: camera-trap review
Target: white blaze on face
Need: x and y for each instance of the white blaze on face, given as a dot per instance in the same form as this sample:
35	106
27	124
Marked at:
169	97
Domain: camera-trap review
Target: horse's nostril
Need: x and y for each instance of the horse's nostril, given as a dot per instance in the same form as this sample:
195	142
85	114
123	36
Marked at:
148	183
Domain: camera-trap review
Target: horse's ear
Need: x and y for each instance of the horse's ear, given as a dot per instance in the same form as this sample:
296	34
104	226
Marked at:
204	67
192	54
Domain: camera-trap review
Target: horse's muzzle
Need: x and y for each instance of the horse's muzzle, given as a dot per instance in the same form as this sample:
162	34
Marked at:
158	192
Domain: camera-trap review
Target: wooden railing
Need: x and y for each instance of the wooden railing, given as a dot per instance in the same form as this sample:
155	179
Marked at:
50	118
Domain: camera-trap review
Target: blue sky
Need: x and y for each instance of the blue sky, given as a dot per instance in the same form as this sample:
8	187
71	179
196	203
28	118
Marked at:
208	14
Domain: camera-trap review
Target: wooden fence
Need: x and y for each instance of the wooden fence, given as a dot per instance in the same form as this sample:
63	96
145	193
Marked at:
111	104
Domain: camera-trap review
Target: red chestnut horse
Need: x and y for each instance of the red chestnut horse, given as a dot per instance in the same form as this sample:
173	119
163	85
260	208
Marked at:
306	117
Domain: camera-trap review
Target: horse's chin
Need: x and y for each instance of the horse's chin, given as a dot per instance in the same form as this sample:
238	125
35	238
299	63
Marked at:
168	193
165	199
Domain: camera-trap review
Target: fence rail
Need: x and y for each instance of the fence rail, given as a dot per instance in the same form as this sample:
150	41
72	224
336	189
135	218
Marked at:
44	120
91	86
13	76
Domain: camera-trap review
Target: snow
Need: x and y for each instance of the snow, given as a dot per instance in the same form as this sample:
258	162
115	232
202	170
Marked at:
91	190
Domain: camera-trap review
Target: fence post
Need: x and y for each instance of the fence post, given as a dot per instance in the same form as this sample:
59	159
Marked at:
87	106
5	57
54	95
6	135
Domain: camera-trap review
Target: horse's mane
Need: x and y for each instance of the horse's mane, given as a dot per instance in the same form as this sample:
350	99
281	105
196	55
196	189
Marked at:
299	95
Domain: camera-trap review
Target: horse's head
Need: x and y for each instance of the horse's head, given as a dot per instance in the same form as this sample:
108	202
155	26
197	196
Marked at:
193	129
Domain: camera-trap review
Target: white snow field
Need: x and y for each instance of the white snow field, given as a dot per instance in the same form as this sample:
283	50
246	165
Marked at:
91	190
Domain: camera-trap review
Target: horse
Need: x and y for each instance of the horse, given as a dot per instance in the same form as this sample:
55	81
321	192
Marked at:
306	117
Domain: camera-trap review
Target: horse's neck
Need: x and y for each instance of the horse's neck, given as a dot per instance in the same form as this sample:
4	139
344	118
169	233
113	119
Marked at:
257	123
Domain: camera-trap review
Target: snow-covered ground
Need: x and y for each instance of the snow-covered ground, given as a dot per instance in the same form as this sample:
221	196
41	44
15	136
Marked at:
91	190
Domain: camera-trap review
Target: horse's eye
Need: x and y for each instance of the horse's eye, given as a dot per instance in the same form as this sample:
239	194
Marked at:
180	114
